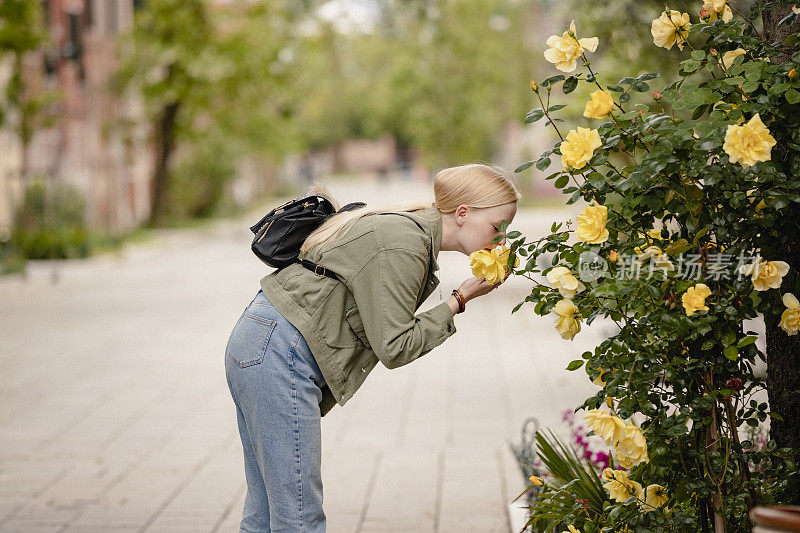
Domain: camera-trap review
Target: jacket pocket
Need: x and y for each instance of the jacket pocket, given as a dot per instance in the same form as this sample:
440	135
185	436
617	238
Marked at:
249	339
357	325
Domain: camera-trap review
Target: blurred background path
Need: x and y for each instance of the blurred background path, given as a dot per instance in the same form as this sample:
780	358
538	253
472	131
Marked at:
115	414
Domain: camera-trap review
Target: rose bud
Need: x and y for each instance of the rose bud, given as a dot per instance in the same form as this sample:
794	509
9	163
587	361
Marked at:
734	384
656	95
703	14
792	73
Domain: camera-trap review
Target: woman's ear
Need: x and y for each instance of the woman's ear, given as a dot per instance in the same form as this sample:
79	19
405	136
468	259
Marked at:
461	214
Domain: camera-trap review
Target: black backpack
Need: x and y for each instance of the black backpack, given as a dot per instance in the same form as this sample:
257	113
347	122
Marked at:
281	232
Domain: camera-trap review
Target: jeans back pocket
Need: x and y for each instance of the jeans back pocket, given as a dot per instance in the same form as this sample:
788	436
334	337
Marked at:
249	339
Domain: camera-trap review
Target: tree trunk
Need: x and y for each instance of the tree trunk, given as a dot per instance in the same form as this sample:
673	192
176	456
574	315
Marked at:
783	351
165	145
783	360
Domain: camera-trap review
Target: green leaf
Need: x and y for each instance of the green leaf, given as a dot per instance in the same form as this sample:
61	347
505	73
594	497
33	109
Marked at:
677	247
534	115
523	166
562	181
690	65
792	96
749	86
570	84
552	79
731	352
746	341
615	88
575	365
728	338
736	80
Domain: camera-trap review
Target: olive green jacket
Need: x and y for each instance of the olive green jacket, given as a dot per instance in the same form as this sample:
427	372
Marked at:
387	266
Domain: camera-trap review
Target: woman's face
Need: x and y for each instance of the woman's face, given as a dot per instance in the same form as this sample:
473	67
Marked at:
479	226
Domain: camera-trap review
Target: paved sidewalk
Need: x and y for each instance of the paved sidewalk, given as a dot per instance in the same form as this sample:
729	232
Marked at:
115	414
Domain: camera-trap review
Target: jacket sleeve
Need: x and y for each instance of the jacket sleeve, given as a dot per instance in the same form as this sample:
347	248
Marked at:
386	291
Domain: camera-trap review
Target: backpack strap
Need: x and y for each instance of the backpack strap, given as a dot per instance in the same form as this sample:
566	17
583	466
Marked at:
320	270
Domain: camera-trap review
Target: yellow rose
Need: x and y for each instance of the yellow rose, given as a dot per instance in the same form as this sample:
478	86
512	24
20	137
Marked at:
568	322
578	148
728	57
564	280
600	104
536	481
790	318
655	496
620	487
694	299
491	264
670	29
659	257
606	426
564	51
623	461
632	447
749	143
592	224
715	7
796	9
765	274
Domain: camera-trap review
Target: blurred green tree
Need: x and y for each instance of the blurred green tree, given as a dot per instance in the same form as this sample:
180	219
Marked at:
445	93
423	74
216	82
21	31
170	61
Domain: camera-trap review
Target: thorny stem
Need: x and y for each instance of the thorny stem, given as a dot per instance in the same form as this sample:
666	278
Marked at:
755	30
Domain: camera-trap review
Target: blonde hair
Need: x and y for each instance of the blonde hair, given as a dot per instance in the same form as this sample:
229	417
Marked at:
475	185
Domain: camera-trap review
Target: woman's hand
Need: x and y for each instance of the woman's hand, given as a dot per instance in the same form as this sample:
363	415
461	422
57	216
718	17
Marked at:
474	287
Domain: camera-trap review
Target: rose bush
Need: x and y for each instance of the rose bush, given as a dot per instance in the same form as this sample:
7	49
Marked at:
687	209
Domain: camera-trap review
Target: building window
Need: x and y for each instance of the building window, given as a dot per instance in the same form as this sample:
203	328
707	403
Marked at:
73	50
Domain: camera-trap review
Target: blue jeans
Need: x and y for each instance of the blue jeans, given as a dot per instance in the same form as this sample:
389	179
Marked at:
276	386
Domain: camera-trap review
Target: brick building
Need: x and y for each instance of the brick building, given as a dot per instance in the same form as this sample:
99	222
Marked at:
84	146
